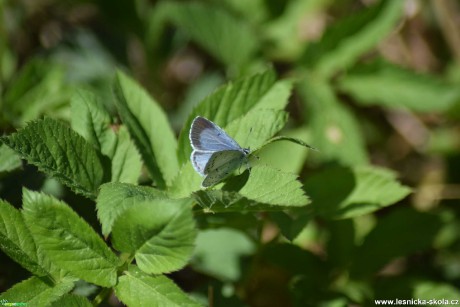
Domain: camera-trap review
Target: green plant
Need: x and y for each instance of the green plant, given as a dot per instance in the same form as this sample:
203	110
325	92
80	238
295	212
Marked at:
100	201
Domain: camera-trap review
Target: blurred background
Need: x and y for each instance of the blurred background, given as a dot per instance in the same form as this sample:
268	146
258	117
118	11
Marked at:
375	82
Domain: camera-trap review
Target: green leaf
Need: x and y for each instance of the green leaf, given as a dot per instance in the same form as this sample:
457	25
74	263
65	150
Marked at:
136	288
187	181
393	237
68	241
16	240
357	191
160	233
93	122
256	126
36	292
271	186
350	38
250	130
218	201
62	153
286	37
291	225
115	198
233	100
335	131
229	40
9	159
71	300
217	246
429	290
274	154
38	89
126	161
264	189
394	87
149	127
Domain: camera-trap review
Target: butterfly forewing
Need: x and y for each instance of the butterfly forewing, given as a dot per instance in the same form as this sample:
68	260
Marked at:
207	136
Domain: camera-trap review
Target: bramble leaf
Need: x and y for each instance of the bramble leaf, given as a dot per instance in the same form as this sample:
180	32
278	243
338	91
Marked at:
62	153
68	241
159	233
136	288
148	125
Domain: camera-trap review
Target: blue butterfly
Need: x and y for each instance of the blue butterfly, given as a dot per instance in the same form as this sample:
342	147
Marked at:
215	154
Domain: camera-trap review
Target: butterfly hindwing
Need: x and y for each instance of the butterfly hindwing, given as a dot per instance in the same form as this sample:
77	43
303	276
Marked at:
200	159
222	164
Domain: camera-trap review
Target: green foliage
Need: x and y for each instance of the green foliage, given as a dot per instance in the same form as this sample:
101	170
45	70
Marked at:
149	128
335	130
17	241
146	230
347	40
357	191
234	100
217	246
68	241
392	237
229	40
136	288
72	300
370	85
93	122
60	152
9	160
36	292
115	198
98	196
38	89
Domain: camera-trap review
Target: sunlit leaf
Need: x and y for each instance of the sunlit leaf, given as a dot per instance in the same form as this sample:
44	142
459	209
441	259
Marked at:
16	240
136	288
36	292
159	233
68	241
149	127
115	198
62	153
233	100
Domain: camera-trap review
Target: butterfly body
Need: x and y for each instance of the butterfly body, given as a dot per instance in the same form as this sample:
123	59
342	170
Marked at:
215	154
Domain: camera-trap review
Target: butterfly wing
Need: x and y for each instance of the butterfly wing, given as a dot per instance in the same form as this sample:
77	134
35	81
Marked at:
200	159
207	136
221	165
